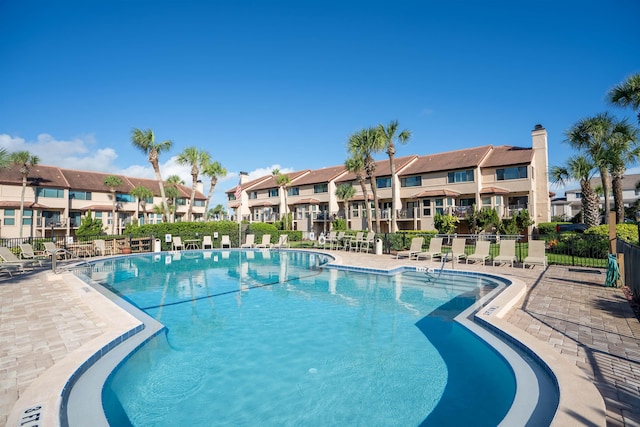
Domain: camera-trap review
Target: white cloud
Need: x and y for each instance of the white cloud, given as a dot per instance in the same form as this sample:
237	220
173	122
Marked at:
79	153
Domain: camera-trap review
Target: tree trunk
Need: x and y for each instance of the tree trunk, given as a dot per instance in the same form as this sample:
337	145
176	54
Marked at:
374	189
618	201
606	189
366	202
214	181
391	150
194	183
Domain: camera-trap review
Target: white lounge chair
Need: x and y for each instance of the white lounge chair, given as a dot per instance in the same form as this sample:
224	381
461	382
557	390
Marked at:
435	249
266	241
416	247
248	241
457	249
100	246
225	242
481	253
332	238
368	241
27	252
176	243
283	241
206	242
536	254
507	253
10	260
51	249
354	243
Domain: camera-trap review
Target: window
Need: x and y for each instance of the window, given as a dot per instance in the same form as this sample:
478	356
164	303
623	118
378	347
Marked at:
27	218
486	201
426	207
511	173
439	206
293	191
149	200
181	201
231	196
125	198
412	181
198	203
383	182
56	193
80	195
460	176
273	192
253	195
97	215
578	195
467	202
9	215
321	188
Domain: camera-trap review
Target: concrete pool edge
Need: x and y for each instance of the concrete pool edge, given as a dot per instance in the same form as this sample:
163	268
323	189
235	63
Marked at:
580	401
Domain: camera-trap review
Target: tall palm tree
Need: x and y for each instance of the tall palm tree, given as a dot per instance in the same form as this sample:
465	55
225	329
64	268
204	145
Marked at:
283	180
355	164
363	144
112	182
623	150
216	212
595	135
145	141
25	161
142	193
197	160
345	192
213	170
389	134
627	93
5	160
172	194
580	168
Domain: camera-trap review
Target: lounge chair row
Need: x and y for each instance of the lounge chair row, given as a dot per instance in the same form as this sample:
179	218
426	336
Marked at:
225	242
507	251
357	243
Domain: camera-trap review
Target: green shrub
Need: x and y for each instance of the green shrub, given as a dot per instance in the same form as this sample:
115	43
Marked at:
339	224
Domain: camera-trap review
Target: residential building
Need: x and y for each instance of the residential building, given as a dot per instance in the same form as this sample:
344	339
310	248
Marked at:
57	199
570	205
505	178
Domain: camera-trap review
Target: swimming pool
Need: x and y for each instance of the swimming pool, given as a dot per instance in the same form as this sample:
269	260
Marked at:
271	338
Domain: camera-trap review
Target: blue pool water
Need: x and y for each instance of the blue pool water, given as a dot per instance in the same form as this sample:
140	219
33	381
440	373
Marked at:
273	338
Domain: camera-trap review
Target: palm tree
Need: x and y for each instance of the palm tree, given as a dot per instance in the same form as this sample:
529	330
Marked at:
363	144
355	164
345	192
213	170
112	182
623	151
25	161
388	135
283	180
142	193
197	159
172	194
595	135
145	141
580	168
216	212
5	159
627	93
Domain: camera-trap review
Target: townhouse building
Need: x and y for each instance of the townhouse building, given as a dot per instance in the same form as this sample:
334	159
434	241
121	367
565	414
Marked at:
56	200
567	207
505	178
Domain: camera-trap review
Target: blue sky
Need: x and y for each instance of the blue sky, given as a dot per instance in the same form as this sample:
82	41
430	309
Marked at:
265	84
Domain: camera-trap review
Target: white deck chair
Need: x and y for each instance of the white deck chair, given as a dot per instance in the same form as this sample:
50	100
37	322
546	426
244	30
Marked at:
266	241
177	243
507	252
354	244
27	252
10	260
101	248
368	241
206	242
457	249
536	254
225	242
435	249
481	253
416	247
331	238
248	241
283	241
51	249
